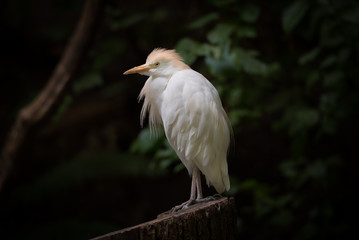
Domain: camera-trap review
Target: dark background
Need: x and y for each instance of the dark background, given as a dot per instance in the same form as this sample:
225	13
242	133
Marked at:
288	76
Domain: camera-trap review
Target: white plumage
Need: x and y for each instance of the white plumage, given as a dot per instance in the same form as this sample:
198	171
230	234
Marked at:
190	110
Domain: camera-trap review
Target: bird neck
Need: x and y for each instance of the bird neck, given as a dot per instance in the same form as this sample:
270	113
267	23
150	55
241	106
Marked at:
152	92
155	89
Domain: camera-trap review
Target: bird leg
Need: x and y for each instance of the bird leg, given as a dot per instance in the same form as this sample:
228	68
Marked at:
196	189
199	185
196	185
200	198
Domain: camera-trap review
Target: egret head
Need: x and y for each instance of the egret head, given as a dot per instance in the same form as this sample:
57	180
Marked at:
160	62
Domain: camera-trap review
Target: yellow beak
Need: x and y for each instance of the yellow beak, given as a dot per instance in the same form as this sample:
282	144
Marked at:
138	69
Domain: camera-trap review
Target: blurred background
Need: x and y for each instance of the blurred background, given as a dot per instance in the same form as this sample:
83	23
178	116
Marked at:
288	76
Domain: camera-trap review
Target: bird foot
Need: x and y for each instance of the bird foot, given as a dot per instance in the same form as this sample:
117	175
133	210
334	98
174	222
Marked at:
184	205
191	202
210	198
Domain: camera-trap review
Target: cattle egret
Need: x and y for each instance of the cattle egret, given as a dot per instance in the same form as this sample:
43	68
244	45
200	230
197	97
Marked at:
194	121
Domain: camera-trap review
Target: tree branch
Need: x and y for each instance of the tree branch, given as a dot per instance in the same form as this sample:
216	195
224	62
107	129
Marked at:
60	77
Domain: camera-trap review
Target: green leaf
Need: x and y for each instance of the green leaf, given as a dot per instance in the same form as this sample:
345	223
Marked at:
303	119
328	102
144	143
250	64
328	61
223	65
87	82
179	167
309	56
221	33
66	102
235	96
293	14
312	78
297	120
317	169
333	79
280	100
254	66
249	184
204	20
289	169
188	49
246	32
106	52
250	13
165	163
235	183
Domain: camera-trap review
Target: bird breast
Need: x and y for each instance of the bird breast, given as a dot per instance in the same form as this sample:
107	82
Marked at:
152	92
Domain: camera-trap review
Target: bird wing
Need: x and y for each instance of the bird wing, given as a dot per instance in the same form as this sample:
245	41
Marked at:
197	126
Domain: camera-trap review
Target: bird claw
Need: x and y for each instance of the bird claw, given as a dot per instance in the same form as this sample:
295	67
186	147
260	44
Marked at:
184	205
210	198
191	202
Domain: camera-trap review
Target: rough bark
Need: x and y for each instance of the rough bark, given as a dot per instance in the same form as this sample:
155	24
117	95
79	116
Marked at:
210	220
60	77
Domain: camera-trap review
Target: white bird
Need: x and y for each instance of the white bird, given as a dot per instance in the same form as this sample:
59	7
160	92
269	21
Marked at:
190	110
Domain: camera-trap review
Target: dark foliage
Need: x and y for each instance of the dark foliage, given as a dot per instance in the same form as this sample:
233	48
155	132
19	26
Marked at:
288	76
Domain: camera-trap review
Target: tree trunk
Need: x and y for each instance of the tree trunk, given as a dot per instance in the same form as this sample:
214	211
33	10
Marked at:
208	220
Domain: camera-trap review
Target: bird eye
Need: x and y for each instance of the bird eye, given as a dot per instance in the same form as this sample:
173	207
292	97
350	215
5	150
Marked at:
157	64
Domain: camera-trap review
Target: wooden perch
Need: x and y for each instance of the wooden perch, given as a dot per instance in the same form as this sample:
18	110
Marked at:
209	220
43	103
